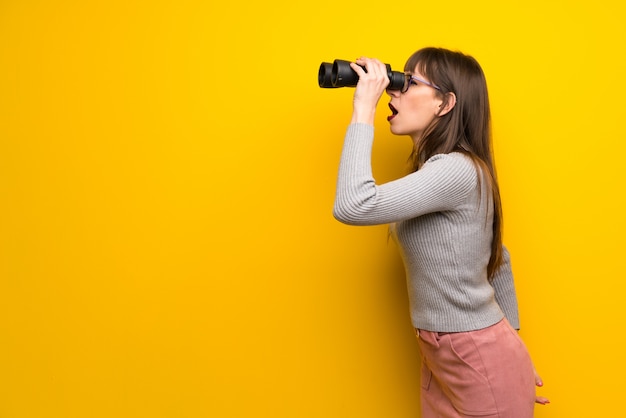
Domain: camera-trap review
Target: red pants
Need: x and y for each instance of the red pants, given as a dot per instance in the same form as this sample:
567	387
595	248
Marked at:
485	373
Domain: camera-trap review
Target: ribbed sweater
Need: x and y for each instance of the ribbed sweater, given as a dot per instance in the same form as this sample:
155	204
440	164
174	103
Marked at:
442	220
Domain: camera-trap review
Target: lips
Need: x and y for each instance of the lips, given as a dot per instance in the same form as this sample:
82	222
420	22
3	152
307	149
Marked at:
394	112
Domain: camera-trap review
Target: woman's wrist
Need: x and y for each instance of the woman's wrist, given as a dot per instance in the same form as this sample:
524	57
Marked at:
363	116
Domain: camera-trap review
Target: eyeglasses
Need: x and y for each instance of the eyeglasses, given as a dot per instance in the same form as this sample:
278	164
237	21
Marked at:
410	79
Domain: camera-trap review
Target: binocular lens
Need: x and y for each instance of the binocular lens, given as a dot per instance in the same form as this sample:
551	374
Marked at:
340	74
324	77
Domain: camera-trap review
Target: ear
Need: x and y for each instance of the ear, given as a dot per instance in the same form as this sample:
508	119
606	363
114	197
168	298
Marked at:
447	105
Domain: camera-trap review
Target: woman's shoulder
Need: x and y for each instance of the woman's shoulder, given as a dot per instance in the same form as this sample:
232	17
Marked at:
454	171
453	161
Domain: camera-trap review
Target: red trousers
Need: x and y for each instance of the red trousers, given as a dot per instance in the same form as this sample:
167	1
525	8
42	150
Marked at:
485	373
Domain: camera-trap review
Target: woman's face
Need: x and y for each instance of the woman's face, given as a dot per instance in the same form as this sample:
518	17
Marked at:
413	111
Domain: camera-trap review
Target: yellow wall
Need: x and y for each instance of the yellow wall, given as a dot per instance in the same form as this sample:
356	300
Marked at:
167	173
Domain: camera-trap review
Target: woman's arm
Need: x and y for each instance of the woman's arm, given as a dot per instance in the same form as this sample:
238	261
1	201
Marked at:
505	290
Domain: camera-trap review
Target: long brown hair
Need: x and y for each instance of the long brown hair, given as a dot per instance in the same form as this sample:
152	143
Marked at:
466	128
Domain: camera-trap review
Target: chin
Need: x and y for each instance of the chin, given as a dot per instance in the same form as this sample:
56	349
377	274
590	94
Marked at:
399	130
396	130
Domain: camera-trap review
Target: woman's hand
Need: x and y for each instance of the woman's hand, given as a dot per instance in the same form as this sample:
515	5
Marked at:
369	89
539	399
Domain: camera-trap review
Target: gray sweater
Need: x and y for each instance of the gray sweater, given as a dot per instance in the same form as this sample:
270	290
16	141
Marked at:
442	217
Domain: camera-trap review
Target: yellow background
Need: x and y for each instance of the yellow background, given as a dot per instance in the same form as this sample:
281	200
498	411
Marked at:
167	173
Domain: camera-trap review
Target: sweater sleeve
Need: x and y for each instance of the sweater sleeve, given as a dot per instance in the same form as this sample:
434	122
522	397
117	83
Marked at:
504	288
442	183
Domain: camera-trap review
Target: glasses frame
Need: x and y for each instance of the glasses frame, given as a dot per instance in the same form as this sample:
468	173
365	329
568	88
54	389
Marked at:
407	83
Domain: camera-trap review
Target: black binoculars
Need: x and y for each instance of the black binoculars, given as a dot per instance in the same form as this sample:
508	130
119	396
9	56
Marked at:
340	74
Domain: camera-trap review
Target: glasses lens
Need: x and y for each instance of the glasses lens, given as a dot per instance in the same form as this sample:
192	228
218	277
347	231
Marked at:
407	83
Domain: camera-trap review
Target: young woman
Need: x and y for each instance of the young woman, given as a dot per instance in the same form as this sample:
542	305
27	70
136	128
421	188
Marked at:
446	217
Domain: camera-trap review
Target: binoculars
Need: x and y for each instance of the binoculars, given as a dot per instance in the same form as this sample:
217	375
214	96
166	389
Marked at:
340	74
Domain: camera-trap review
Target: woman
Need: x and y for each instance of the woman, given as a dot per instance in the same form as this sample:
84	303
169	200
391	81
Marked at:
446	217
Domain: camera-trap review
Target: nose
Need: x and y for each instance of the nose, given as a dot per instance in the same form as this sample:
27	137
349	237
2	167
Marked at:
393	93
